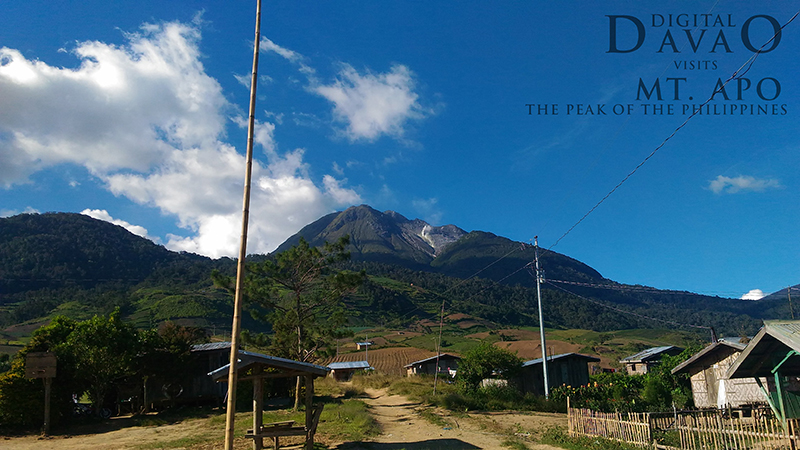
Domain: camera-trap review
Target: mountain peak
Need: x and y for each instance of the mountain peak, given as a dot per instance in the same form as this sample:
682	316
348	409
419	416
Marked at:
380	236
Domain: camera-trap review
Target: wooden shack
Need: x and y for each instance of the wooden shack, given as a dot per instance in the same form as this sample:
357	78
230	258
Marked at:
257	367
774	354
447	365
206	358
711	387
640	363
571	369
344	370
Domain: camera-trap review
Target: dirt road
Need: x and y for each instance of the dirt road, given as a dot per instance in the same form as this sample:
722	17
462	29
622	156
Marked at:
403	427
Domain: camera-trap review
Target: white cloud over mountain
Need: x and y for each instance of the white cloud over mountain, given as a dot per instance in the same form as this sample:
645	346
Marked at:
102	214
372	105
754	294
149	122
369	105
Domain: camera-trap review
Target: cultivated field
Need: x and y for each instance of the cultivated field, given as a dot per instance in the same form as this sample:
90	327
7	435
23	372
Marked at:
387	360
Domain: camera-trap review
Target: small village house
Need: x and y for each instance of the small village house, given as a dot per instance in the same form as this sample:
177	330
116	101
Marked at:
640	363
344	370
571	369
708	371
448	365
774	355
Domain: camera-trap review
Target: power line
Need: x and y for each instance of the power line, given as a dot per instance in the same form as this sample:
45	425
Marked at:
631	313
749	63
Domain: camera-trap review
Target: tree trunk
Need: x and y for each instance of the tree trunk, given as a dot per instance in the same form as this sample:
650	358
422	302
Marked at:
298	385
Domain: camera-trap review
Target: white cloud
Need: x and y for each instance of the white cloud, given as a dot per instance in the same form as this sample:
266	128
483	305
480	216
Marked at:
339	194
13	212
727	185
373	105
268	46
148	121
102	214
122	108
754	294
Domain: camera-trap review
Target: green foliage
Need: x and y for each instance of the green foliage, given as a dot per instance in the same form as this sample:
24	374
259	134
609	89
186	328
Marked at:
300	293
104	350
92	355
658	390
556	436
485	361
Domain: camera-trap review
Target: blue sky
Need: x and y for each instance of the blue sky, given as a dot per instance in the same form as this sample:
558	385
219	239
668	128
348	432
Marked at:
133	112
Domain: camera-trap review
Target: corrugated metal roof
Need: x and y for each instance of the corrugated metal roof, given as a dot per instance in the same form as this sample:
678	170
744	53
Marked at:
433	358
211	346
772	343
709	350
533	362
649	354
249	359
349	365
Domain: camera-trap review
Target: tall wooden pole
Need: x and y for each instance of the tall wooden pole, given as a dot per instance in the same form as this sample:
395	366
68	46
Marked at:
541	319
237	302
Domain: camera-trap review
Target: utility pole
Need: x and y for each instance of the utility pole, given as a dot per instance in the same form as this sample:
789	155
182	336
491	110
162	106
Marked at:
237	301
541	317
789	293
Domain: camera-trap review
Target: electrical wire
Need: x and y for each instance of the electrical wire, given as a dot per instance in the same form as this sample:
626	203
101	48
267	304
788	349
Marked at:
749	63
631	313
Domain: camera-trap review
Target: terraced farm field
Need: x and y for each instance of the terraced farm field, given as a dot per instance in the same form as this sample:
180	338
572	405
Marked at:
387	360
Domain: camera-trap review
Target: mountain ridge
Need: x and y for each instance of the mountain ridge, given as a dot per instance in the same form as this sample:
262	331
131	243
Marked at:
69	263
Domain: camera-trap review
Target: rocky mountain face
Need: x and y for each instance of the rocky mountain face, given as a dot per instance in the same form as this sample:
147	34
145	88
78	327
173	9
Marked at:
389	237
380	236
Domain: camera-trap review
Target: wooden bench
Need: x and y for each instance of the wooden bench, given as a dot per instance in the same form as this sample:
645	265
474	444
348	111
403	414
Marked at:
275	430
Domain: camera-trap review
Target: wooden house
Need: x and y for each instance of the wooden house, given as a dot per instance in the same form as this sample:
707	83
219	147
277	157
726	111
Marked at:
640	363
774	354
364	345
344	370
571	369
448	365
708	371
207	358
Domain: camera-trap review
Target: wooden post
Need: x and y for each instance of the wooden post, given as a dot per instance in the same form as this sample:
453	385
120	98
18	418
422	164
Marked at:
47	384
258	410
309	412
230	413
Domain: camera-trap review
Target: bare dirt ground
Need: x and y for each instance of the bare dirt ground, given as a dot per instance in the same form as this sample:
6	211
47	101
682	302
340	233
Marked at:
402	427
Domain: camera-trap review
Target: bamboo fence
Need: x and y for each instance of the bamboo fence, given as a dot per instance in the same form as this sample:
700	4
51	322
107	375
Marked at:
706	430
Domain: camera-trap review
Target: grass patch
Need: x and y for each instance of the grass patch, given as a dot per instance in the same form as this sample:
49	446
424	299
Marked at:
515	444
436	419
349	420
556	436
328	389
372	380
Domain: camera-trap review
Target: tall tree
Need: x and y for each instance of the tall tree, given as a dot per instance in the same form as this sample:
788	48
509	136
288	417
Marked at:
300	292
